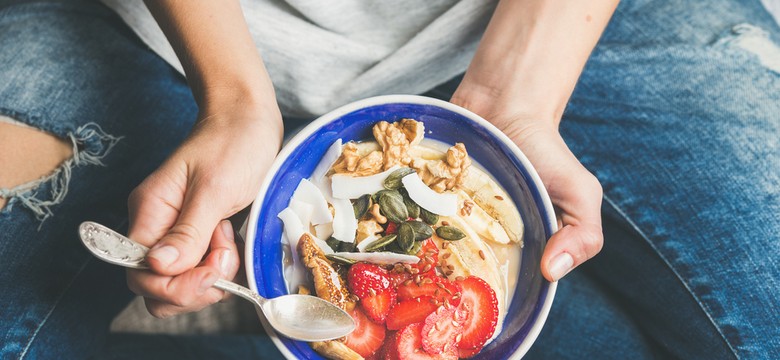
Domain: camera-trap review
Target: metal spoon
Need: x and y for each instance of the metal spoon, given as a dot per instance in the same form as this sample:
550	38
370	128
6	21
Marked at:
301	317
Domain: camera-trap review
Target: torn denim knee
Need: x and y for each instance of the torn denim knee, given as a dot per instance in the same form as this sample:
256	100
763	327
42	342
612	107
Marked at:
90	145
754	40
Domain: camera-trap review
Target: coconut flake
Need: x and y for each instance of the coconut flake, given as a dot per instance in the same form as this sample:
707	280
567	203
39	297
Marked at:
302	210
437	203
310	194
365	242
351	187
344	222
293	230
323	231
327	161
381	258
326	249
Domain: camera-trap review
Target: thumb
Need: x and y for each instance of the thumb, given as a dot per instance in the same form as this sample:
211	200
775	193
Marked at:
570	247
184	245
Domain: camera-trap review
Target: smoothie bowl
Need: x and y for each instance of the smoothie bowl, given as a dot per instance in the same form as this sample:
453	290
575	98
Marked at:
417	217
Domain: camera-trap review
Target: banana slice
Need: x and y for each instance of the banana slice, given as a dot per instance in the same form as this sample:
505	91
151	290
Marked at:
335	350
471	256
487	227
495	202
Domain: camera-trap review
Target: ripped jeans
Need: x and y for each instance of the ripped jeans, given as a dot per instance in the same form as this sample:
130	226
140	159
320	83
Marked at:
677	113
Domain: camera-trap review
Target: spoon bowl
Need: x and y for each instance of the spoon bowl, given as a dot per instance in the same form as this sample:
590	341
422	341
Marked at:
301	317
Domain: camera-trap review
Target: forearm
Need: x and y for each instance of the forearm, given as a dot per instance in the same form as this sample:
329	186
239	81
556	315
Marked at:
212	41
530	58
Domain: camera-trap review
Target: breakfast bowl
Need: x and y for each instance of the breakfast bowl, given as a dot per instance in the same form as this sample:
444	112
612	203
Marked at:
492	151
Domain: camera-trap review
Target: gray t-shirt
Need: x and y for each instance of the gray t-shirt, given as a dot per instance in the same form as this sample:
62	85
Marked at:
323	54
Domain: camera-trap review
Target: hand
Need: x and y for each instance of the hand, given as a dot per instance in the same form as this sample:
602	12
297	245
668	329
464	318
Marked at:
178	209
575	193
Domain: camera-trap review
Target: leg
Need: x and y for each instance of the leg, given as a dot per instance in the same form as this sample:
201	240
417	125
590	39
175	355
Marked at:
678	115
74	71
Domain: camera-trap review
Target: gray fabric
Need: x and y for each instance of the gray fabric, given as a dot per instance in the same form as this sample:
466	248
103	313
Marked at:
323	54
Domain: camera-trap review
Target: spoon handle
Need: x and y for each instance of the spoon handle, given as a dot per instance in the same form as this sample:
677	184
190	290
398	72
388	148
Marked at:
241	291
115	248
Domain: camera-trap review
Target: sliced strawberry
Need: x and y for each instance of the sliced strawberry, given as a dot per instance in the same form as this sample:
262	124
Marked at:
397	278
441	329
367	337
409	312
410	346
368	279
479	302
434	286
391	228
389	350
377	306
467	353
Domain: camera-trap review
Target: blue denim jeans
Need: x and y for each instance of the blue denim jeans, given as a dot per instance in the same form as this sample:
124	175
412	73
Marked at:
677	113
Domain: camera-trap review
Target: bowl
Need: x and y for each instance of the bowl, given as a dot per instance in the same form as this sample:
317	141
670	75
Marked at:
444	122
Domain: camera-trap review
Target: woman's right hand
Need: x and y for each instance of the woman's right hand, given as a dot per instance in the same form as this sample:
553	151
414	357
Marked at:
179	210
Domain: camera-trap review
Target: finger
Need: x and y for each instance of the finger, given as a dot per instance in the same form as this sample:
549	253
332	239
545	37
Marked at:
162	310
184	245
224	252
186	290
580	236
152	206
570	247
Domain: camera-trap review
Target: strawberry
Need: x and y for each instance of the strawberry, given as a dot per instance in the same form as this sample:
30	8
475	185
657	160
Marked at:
368	280
441	329
430	251
367	337
409	346
481	306
397	278
436	287
389	350
377	306
467	353
409	312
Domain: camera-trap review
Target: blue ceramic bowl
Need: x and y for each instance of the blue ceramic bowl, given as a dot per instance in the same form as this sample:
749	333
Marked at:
444	122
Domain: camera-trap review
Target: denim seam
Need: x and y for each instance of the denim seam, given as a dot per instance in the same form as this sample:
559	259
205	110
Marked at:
641	233
54	306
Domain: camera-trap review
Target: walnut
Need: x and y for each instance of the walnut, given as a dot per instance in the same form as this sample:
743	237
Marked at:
350	161
396	139
366	229
445	174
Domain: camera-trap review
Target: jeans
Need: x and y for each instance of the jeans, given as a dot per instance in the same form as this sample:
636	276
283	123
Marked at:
677	113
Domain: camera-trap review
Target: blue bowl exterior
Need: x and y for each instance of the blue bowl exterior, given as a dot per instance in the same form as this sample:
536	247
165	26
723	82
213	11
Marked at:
440	124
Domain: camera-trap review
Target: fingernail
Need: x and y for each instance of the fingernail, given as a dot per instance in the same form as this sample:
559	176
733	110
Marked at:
207	283
166	254
560	265
225	262
227	229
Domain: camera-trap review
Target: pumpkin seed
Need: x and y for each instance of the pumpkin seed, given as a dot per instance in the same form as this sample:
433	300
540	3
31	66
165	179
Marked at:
393	247
429	217
340	260
405	237
411	206
347	247
422	230
415	248
391	204
393	181
378	194
333	243
378	244
450	233
361	205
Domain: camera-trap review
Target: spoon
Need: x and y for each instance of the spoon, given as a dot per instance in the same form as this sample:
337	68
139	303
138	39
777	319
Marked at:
300	317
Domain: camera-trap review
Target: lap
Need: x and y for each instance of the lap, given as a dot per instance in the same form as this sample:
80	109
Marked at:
73	69
679	120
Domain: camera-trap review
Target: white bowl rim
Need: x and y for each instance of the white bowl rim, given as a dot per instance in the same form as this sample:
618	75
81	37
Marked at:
304	133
